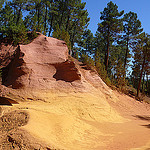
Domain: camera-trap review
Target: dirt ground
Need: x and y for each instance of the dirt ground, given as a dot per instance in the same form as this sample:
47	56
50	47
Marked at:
11	134
76	121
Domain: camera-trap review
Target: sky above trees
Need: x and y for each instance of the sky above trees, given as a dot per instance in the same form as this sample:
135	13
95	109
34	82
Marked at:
141	7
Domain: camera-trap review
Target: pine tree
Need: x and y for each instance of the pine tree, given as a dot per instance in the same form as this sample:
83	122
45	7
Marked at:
62	35
132	27
34	21
18	7
110	26
87	42
99	46
141	55
13	31
79	22
2	3
46	4
52	16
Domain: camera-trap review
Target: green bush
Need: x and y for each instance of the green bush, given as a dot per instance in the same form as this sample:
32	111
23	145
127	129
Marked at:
15	34
108	81
100	67
88	61
76	55
30	37
62	35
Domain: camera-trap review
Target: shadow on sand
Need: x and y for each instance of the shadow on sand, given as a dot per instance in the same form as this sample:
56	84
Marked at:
145	118
7	101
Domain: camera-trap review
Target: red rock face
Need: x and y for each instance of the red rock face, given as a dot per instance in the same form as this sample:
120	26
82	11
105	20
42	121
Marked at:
14	71
6	54
40	64
45	50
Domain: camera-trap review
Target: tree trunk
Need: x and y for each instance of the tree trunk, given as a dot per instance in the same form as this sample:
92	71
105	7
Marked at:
51	24
107	51
67	24
61	19
126	55
18	16
143	83
147	86
73	37
38	16
141	76
14	12
45	21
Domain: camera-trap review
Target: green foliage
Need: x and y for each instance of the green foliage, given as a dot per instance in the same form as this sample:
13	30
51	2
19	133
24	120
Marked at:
18	7
141	59
100	67
88	61
120	75
76	55
132	27
99	46
32	35
34	21
17	34
87	41
62	35
110	26
1	4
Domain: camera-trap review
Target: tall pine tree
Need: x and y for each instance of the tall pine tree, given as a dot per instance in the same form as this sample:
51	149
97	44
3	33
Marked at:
110	26
141	55
132	27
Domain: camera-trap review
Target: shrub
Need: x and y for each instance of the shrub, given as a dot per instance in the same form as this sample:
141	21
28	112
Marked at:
100	67
62	35
87	61
15	34
30	37
76	55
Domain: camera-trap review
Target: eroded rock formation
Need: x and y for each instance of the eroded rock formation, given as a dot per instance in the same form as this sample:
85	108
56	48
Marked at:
7	53
39	64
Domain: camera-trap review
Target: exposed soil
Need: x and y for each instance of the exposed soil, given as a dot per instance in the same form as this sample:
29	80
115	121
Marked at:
80	119
12	137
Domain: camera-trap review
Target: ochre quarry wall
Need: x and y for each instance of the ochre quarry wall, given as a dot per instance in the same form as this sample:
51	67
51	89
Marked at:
39	64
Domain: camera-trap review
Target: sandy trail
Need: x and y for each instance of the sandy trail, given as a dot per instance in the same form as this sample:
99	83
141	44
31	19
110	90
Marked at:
87	121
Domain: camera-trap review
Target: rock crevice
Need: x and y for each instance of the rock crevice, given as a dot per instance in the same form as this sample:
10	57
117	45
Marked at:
67	71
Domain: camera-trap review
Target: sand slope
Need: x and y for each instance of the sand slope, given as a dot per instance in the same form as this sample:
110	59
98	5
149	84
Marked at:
83	121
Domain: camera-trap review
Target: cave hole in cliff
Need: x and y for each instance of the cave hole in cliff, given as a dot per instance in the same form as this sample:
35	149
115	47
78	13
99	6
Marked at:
67	72
7	101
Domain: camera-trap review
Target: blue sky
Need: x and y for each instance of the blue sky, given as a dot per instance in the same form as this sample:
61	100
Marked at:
141	7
